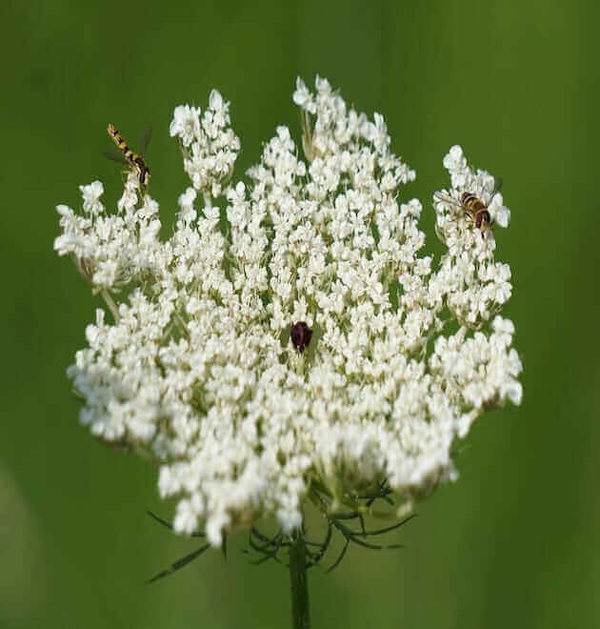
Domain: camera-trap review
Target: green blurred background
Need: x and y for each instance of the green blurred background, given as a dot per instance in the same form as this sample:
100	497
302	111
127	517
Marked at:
516	541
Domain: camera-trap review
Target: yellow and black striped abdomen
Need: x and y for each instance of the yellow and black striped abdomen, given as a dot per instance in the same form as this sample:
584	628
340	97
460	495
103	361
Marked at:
477	210
120	142
472	203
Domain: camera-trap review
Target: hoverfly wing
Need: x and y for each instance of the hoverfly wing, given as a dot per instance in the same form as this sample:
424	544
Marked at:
145	139
115	156
443	197
497	188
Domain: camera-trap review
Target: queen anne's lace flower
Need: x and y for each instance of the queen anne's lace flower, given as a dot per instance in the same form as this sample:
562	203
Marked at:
289	332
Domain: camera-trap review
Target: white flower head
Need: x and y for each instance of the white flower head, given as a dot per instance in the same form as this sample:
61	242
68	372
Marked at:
209	145
186	124
289	334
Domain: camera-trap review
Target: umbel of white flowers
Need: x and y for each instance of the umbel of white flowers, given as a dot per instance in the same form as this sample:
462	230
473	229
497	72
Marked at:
289	332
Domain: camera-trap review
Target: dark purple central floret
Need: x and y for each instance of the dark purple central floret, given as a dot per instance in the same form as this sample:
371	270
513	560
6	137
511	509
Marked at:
301	335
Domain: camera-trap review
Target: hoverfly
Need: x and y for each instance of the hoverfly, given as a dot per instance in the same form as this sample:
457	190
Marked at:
127	156
475	208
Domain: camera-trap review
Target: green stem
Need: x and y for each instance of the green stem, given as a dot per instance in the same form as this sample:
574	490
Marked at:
299	583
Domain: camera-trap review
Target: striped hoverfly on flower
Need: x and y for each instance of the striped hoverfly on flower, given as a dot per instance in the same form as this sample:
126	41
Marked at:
128	156
473	206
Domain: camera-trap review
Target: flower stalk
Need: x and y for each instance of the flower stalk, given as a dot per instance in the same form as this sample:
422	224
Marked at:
299	582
